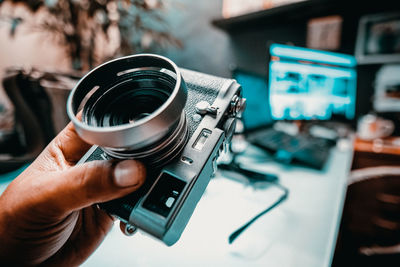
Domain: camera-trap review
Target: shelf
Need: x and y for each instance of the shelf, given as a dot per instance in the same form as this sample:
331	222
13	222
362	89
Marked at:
291	13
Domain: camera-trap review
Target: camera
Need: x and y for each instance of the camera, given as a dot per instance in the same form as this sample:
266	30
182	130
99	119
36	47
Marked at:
176	121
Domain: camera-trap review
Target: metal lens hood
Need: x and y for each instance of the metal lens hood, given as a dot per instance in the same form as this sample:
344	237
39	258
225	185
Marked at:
146	72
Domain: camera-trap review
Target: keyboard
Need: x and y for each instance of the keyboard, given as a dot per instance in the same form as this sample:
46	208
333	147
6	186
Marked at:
304	149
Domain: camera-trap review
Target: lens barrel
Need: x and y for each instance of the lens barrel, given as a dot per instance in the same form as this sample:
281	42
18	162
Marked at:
132	107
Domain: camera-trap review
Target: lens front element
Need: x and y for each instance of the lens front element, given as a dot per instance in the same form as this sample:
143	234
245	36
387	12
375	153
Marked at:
129	103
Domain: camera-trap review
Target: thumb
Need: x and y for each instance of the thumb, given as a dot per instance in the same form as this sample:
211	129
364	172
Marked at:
94	182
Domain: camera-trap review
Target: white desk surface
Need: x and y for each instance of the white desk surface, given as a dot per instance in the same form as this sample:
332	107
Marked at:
301	231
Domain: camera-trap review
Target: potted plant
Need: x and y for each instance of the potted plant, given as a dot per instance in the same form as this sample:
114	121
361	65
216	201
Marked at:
85	28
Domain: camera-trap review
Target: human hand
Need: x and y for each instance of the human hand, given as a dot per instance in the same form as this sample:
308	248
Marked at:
47	214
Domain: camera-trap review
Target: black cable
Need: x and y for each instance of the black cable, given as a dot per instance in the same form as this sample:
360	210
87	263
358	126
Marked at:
252	176
283	197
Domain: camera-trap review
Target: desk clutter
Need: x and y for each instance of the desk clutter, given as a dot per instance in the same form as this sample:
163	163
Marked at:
304	149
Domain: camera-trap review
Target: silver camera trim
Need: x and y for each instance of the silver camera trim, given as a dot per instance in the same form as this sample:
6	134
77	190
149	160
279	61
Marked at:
142	132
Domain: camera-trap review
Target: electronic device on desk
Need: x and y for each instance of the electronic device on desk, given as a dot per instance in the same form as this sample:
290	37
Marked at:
302	85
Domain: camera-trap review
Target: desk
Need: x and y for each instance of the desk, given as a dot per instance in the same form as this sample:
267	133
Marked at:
379	152
301	231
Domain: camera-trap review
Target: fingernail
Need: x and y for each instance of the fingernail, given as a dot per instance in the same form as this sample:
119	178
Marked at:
128	173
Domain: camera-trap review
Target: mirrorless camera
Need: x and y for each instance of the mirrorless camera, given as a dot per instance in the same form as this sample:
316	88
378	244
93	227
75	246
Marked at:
175	121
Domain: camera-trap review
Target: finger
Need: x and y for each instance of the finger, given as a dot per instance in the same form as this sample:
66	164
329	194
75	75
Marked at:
63	152
70	144
93	182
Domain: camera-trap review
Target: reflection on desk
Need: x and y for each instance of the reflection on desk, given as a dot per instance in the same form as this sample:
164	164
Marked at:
301	231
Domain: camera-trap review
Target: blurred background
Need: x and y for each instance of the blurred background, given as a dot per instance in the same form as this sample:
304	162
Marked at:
46	46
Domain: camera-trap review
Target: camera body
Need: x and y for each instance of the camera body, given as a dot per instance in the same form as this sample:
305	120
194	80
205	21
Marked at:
163	206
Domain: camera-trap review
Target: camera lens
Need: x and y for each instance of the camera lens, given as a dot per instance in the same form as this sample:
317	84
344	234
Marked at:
130	100
132	107
128	107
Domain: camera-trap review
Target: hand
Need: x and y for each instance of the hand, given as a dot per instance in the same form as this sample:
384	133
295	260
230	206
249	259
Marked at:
47	214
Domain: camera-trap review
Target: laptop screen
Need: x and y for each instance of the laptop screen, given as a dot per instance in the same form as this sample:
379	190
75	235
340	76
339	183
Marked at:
257	113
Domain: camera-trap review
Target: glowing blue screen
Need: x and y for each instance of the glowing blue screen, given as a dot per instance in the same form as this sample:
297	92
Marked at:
255	91
306	84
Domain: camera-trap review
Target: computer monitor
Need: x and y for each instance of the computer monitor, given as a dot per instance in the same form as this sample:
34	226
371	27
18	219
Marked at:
309	84
257	113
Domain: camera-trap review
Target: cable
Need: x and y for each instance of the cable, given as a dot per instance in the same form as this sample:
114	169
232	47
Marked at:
253	176
282	198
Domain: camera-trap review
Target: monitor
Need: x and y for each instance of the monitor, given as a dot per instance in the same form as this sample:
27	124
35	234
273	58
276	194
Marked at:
257	113
310	84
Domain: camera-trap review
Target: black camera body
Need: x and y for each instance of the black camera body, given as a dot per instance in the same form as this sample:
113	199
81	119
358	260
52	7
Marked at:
180	162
